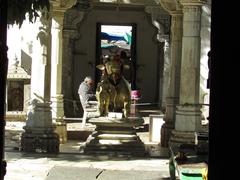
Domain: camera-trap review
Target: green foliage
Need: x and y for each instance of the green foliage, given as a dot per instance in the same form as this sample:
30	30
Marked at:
18	9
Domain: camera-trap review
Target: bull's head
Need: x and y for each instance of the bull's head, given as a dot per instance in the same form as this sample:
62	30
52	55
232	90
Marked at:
113	68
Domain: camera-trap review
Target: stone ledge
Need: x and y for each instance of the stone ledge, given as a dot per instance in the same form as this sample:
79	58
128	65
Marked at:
116	122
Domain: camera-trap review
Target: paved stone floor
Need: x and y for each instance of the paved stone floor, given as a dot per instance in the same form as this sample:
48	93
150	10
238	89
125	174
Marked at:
70	164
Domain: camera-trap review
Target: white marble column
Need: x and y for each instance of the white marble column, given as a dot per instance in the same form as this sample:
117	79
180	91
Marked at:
188	113
172	98
56	77
56	71
39	135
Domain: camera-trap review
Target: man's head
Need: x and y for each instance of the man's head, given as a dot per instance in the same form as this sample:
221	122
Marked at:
89	81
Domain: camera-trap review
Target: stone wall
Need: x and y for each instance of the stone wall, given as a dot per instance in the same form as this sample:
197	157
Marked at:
147	49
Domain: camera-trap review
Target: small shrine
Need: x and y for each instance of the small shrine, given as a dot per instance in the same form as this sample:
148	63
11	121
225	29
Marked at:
17	93
115	127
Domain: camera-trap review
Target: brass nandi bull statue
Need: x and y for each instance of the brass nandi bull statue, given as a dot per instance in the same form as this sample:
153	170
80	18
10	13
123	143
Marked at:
113	90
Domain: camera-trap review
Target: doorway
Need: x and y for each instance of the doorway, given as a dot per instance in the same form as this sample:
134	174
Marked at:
117	39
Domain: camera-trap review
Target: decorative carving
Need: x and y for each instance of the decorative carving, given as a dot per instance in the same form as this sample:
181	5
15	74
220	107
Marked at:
165	24
177	26
192	9
83	4
172	6
72	18
62	4
192	2
44	30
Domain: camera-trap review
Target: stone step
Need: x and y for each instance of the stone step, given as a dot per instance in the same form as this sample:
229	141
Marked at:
116	150
116	132
117	136
113	142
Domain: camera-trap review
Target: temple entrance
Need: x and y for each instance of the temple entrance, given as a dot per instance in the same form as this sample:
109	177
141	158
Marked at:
115	39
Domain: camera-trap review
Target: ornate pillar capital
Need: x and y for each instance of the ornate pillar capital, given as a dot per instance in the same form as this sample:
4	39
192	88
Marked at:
72	18
61	5
161	20
192	2
172	6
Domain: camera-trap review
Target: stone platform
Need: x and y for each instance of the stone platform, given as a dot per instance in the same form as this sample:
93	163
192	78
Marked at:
115	136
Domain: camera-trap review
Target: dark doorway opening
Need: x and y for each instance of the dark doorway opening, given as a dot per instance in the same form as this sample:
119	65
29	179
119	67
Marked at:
113	39
15	96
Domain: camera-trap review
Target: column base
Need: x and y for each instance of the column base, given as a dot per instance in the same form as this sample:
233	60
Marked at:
42	140
61	130
188	118
166	132
182	137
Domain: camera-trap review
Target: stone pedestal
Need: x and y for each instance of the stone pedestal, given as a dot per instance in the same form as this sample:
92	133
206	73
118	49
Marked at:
39	135
115	136
43	140
57	116
169	119
188	123
166	130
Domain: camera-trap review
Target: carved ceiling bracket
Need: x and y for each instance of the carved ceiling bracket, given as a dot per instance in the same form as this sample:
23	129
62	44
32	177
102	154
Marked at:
161	20
59	7
74	16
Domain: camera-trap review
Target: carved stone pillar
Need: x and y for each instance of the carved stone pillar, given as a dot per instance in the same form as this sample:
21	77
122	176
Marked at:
166	70
70	34
188	114
56	74
39	135
161	20
70	106
173	92
172	98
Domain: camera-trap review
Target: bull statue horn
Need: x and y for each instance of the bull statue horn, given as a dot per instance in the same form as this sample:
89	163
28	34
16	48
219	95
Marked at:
125	66
101	67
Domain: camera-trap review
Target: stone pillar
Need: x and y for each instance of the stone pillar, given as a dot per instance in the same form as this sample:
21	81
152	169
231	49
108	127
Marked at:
72	18
188	113
39	135
70	106
161	20
58	11
56	75
166	71
175	63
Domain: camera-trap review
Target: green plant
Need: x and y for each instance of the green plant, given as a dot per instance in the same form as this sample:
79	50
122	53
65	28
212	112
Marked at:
19	10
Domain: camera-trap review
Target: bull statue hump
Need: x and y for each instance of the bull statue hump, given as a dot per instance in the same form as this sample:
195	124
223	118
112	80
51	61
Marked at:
113	90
